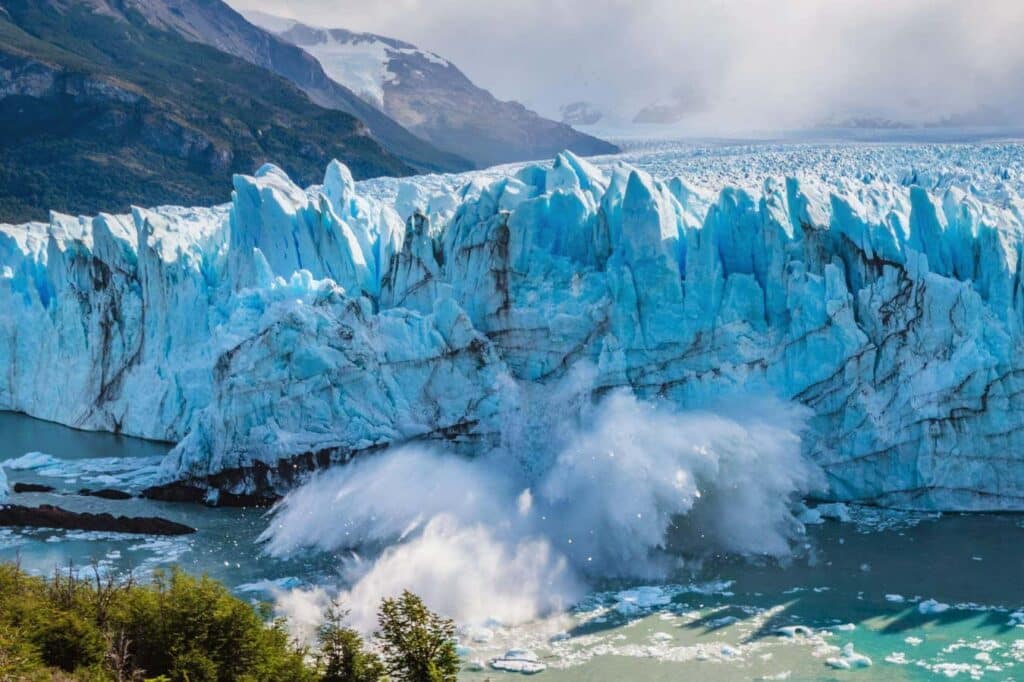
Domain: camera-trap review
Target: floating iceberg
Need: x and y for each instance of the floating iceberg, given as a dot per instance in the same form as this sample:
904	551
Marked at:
931	607
30	461
848	659
119	472
293	328
519	661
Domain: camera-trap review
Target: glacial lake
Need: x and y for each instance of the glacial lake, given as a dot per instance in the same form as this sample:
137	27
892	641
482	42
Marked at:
923	596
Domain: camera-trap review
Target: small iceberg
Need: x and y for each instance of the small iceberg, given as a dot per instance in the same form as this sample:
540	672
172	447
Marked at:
519	661
641	599
932	607
270	586
108	472
30	461
849	659
837	511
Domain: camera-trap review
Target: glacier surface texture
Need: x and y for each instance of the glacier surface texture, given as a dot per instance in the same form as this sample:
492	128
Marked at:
295	327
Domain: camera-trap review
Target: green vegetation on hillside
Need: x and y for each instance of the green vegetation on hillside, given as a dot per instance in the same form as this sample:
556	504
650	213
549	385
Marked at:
99	112
178	628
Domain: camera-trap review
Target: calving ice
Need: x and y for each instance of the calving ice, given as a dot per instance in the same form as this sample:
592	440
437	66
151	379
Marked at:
623	489
293	328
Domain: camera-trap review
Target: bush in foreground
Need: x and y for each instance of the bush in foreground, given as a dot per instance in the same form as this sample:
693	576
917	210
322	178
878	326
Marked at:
342	656
417	644
178	628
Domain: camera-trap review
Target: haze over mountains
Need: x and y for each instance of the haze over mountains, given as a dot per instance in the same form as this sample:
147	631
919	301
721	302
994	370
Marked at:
730	68
111	103
431	97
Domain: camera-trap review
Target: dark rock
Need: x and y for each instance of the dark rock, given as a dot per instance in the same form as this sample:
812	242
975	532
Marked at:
175	492
187	492
262	484
31	488
49	516
225	499
106	494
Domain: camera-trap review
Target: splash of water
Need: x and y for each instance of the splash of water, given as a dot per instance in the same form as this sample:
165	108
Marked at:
622	488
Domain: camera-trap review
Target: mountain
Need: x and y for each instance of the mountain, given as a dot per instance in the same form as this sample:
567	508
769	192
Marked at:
291	329
580	113
431	97
214	23
100	109
862	123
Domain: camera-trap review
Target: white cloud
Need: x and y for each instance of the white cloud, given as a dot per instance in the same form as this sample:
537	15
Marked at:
738	65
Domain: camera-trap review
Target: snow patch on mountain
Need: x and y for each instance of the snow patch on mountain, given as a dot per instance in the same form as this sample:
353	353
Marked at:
359	61
361	66
432	98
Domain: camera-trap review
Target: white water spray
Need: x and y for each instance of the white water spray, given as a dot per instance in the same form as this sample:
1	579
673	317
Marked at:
514	535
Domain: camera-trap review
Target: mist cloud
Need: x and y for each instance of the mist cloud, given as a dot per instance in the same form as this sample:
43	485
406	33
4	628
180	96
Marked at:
730	65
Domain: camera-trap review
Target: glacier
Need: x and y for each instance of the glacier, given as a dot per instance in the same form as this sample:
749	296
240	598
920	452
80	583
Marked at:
294	328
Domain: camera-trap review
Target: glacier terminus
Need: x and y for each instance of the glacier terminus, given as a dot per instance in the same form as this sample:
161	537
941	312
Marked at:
293	328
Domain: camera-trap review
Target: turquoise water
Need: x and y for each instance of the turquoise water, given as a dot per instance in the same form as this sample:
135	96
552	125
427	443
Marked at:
225	546
722	618
841	590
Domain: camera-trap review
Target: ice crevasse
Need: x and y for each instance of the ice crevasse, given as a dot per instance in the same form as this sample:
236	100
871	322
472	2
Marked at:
292	328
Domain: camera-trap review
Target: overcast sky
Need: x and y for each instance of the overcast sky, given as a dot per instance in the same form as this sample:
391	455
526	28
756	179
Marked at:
733	64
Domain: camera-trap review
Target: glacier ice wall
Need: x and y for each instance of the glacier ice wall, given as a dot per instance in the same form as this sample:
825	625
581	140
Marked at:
291	327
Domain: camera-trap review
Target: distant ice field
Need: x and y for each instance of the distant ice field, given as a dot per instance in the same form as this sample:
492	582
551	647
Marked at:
989	169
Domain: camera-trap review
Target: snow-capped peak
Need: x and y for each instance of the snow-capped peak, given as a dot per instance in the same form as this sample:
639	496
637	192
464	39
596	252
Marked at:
359	61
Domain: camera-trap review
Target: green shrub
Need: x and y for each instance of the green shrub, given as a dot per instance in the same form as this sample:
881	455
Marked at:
417	644
69	641
342	656
18	657
178	628
194	629
194	666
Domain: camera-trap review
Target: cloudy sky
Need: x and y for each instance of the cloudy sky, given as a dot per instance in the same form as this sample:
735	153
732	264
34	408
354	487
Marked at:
728	65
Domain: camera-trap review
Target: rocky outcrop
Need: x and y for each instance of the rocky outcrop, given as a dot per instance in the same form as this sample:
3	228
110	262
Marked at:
35	94
216	24
102	109
106	494
48	516
31	488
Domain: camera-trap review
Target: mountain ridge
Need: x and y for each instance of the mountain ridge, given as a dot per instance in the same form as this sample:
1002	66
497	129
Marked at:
102	110
432	97
218	25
